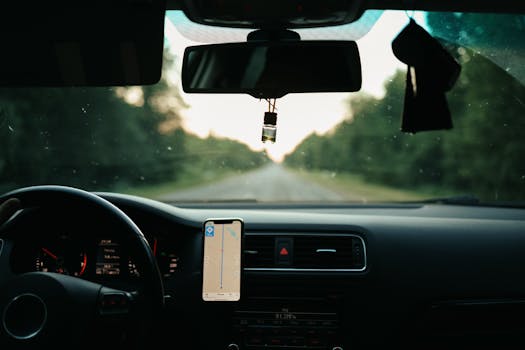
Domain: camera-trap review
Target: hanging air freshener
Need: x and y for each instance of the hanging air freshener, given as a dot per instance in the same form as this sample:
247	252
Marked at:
431	72
269	129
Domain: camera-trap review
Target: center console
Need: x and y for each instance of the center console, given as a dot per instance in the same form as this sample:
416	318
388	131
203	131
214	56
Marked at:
274	323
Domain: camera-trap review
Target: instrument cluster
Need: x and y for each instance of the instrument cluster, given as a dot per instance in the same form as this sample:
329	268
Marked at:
92	258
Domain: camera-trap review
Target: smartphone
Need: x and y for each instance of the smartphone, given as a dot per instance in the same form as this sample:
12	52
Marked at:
222	263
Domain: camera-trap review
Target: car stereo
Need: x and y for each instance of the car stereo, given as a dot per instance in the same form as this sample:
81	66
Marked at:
286	324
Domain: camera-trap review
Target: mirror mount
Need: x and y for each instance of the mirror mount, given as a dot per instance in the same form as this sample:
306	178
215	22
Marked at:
273	35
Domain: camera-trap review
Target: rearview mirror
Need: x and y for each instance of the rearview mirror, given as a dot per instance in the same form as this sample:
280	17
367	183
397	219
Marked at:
272	69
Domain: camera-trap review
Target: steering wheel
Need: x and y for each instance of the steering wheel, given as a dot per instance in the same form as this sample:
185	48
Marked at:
41	309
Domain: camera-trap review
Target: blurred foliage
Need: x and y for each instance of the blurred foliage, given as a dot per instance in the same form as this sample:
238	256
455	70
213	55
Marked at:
215	153
483	155
104	138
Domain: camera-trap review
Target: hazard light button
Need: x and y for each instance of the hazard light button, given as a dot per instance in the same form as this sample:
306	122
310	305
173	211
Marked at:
284	251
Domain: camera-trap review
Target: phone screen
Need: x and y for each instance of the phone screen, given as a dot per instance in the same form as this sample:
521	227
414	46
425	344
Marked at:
222	260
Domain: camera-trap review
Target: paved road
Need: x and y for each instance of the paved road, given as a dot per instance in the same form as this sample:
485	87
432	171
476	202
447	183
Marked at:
269	183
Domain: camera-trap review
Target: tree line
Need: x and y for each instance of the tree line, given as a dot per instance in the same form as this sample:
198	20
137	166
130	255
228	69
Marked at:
483	155
94	138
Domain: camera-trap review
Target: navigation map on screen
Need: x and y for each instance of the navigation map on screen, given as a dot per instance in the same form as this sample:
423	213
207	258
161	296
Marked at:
222	260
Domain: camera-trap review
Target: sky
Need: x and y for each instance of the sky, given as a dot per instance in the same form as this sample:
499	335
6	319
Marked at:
240	117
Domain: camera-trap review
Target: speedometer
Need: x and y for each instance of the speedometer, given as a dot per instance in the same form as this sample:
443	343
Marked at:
60	259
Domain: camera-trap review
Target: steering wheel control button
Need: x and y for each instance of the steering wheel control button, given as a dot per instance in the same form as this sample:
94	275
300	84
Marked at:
284	251
24	316
114	303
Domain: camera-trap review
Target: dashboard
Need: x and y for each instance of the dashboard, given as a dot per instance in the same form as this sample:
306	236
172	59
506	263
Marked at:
417	276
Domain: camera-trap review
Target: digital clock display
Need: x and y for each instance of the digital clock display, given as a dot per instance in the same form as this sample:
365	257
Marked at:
108	258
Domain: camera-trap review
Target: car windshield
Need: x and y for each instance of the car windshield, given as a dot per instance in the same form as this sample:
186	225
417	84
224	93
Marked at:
158	142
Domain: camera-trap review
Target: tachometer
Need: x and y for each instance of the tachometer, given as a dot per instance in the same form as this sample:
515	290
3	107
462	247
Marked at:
64	260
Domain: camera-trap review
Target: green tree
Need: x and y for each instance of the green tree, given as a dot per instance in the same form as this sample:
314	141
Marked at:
101	138
482	155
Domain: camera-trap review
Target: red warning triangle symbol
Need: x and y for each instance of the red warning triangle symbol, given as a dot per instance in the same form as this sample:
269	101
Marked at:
283	251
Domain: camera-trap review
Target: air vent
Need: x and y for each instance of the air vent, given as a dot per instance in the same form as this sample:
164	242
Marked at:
334	252
259	251
304	252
